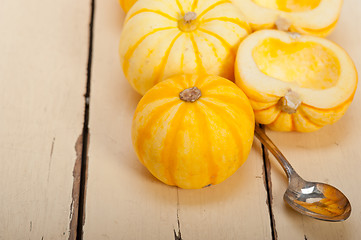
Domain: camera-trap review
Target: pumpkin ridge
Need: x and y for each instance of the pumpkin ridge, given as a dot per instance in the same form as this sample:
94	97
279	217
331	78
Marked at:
307	118
272	114
182	57
205	130
229	100
194	5
180	7
303	124
187	81
195	81
212	7
293	127
259	106
145	130
131	49
161	67
265	109
276	118
212	46
234	131
200	67
182	62
169	143
156	103
236	21
235	102
144	10
224	43
207	85
201	81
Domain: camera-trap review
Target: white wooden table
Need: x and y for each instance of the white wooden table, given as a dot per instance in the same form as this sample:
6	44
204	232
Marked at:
60	76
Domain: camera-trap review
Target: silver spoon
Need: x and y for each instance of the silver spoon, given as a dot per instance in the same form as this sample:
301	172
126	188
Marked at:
317	200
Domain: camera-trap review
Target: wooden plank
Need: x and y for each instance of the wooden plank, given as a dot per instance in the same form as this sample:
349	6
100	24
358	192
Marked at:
123	200
234	209
43	64
330	155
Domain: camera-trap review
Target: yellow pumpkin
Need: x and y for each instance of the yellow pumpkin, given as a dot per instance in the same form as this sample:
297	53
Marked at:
167	37
312	17
295	82
193	130
126	4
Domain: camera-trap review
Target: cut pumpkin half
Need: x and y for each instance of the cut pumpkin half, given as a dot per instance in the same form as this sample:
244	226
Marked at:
295	82
312	17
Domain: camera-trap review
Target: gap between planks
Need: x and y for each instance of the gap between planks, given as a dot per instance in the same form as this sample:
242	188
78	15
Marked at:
268	186
81	147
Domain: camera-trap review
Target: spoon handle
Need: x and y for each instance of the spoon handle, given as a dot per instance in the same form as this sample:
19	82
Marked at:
266	141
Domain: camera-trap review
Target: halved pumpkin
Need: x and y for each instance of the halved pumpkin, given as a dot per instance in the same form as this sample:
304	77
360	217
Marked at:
295	82
167	37
313	17
193	130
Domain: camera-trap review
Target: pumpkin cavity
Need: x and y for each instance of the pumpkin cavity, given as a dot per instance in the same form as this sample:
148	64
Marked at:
307	64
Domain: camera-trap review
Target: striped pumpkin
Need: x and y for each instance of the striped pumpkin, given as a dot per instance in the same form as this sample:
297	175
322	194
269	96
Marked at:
167	37
126	4
193	130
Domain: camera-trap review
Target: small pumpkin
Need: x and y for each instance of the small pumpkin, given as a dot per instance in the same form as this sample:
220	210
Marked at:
193	130
126	4
167	37
295	82
312	17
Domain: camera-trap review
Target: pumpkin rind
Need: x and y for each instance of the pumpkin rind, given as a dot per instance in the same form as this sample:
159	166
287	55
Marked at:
319	19
321	105
193	144
126	4
155	44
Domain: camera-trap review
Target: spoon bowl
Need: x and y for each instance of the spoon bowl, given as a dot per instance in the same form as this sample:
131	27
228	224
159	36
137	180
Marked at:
317	200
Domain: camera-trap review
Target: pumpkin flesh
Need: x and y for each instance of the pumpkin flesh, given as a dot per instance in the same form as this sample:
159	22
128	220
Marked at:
307	64
294	82
311	17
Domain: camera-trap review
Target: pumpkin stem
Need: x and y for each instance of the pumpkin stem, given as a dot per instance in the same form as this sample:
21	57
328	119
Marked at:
189	22
290	102
189	17
190	94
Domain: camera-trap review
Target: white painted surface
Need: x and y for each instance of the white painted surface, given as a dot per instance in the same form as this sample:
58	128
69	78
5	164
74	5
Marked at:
43	61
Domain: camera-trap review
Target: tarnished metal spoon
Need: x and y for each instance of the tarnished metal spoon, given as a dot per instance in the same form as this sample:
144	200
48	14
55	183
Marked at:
317	200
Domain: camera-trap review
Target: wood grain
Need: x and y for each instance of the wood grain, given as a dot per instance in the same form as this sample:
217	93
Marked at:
43	63
123	200
330	155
